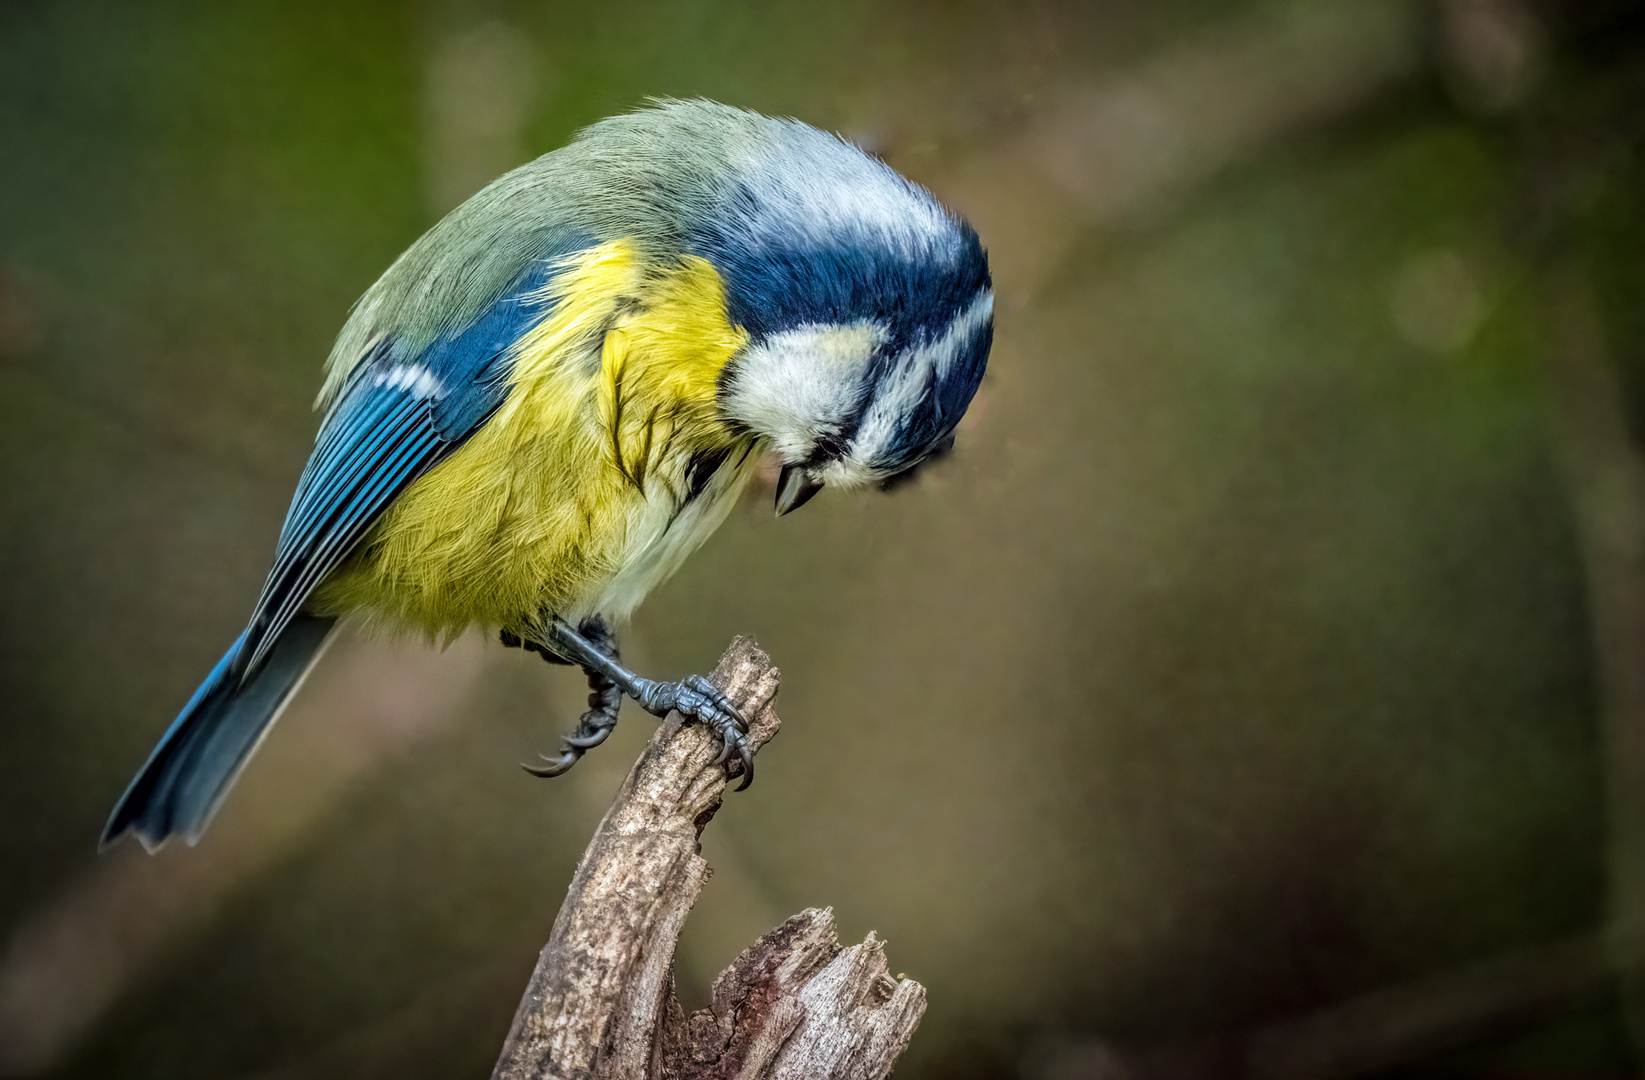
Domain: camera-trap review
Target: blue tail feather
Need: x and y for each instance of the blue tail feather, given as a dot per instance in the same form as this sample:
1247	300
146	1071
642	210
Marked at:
180	786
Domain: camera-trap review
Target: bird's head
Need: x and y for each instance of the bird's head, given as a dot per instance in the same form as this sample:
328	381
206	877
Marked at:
853	403
868	305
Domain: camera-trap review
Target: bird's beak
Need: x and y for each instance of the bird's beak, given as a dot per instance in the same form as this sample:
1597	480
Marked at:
794	487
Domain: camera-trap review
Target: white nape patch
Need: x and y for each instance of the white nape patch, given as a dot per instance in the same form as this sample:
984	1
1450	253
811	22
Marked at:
414	377
900	390
821	188
797	386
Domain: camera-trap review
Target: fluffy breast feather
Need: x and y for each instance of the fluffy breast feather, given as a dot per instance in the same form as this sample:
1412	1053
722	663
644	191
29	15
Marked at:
606	465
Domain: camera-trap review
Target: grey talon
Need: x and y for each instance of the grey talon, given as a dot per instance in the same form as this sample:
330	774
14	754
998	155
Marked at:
587	742
555	766
595	649
592	645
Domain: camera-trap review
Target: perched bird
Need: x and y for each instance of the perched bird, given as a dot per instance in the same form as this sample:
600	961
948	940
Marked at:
556	394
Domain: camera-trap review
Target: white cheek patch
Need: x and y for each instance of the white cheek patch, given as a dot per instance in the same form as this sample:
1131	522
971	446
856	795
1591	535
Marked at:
414	377
900	391
796	386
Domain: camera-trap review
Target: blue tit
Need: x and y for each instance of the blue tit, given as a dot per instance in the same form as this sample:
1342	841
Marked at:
556	395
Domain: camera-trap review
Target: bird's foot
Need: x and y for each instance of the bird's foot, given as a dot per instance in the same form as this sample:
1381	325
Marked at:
592	645
604	700
696	697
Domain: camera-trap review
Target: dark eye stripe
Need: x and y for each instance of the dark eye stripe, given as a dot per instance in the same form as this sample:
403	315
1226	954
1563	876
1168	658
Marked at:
942	403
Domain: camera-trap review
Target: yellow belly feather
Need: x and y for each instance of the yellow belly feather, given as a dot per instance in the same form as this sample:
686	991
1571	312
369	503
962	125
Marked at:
572	498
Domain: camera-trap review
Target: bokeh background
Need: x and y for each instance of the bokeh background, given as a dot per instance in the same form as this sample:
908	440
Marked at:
1256	692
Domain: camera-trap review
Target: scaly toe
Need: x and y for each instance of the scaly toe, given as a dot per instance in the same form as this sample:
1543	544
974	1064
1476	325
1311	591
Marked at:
717	706
696	697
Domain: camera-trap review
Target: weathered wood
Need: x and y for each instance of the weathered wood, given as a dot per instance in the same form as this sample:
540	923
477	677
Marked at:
601	1002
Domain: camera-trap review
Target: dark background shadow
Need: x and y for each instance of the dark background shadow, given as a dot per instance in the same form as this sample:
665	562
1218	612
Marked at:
1239	662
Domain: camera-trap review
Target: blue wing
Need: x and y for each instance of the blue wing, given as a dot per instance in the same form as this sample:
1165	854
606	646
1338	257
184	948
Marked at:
398	417
401	413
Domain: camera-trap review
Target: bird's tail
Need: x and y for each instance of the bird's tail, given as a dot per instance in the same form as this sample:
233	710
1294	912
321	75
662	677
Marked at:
180	786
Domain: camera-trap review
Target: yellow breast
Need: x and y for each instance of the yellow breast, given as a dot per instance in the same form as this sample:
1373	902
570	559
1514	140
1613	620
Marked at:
587	486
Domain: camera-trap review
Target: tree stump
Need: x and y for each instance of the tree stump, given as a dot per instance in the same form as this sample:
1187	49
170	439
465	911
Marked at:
601	1002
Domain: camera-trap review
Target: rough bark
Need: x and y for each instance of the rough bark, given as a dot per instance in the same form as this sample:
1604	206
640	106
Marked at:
601	1001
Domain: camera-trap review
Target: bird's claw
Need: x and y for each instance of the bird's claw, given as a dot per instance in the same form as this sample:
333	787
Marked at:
593	729
575	746
555	766
696	697
587	742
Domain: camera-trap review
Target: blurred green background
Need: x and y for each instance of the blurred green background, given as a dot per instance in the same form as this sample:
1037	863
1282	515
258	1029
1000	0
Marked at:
1273	639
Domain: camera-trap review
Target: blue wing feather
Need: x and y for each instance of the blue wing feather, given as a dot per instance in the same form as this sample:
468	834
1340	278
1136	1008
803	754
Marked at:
399	416
476	374
401	413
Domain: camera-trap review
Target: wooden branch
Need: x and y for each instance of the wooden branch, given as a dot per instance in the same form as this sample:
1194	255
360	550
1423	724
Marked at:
601	1002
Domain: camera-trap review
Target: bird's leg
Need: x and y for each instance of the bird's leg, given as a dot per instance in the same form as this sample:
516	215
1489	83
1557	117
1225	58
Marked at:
604	698
694	695
512	640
